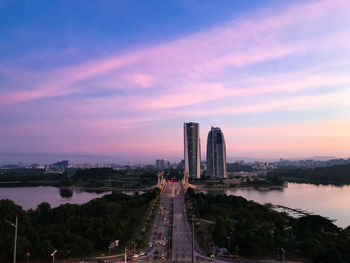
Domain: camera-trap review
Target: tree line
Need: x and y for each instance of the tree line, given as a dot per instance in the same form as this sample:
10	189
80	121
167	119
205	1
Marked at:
258	230
94	177
337	174
74	230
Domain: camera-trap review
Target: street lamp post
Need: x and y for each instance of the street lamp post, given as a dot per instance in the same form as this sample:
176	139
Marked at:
229	239
15	225
53	256
192	238
283	252
27	255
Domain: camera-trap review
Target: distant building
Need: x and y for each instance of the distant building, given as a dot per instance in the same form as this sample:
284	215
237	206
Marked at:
181	164
62	164
149	167
192	150
58	167
162	164
216	153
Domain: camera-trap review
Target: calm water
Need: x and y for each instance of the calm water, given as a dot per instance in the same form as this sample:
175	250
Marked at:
30	197
329	201
325	200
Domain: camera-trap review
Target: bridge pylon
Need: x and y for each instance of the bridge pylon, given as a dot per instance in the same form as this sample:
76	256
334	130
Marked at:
161	179
185	183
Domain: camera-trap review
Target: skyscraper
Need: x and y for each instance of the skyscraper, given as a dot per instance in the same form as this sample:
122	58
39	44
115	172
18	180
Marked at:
192	150
216	153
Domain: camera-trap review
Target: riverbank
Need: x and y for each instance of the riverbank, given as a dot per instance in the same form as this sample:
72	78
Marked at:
242	187
79	230
56	183
325	200
233	225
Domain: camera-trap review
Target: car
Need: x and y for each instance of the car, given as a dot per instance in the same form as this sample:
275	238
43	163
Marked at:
155	232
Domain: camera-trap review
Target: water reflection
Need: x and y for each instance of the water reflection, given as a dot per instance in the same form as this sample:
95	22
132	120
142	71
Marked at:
325	200
31	197
133	192
66	193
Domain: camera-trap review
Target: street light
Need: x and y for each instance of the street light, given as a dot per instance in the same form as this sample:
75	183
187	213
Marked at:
27	255
53	256
229	239
283	252
125	257
15	225
193	239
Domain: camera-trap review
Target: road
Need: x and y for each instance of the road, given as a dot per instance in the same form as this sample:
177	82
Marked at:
161	230
182	235
171	238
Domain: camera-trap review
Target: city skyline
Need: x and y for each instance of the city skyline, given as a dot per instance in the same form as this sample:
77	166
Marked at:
118	79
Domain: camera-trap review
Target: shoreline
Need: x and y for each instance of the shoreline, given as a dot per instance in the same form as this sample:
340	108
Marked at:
259	188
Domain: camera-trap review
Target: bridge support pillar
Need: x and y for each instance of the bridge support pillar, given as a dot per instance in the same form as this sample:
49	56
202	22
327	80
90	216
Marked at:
160	179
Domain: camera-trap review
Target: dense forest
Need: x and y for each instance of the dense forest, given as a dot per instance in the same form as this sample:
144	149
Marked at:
89	178
76	230
338	174
236	167
257	230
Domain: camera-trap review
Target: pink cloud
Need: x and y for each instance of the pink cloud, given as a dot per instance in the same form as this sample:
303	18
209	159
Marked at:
142	80
194	58
300	102
293	140
163	82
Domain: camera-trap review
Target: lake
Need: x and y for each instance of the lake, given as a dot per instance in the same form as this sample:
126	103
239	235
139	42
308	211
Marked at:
30	197
325	200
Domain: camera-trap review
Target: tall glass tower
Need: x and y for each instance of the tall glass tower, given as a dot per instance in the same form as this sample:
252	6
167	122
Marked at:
216	153
192	150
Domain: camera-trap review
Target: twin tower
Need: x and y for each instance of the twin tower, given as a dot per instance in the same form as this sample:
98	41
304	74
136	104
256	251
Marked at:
216	152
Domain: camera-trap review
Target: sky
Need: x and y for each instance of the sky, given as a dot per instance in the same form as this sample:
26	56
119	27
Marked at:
119	78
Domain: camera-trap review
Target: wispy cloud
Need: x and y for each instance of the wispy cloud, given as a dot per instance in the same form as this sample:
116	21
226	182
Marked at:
291	140
295	59
195	58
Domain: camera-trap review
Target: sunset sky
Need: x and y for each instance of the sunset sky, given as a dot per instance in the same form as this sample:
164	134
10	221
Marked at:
119	78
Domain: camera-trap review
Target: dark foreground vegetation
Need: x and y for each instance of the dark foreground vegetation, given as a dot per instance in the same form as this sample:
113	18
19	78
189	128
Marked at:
76	230
338	175
255	230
